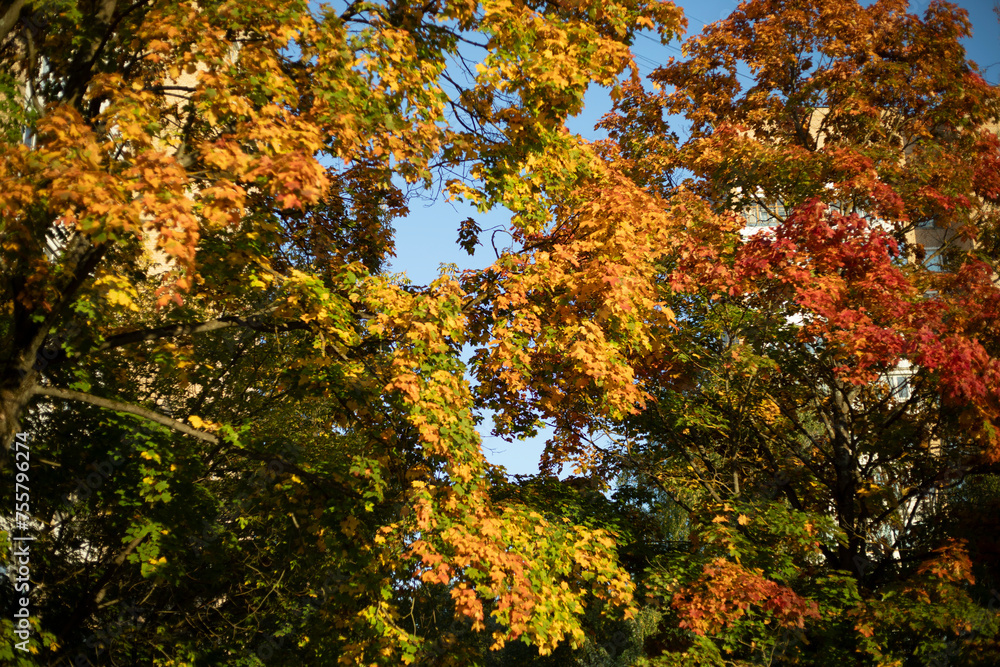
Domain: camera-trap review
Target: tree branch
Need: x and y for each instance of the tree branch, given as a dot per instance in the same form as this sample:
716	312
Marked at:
84	258
10	18
96	593
82	65
170	331
117	406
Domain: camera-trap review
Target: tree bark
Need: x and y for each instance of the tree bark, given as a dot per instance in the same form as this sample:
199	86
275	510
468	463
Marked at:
117	406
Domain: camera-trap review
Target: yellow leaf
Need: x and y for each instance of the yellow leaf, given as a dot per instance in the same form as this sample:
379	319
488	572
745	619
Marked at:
349	525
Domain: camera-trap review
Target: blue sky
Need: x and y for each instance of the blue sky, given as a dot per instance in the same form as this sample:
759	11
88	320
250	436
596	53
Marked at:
427	237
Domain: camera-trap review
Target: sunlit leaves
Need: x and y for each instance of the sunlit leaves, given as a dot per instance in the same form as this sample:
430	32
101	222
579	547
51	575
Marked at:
203	219
834	361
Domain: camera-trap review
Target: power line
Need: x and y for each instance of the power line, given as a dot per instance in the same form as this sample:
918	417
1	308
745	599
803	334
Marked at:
678	50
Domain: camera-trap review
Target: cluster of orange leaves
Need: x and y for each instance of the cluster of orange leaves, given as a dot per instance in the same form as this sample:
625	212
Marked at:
485	553
726	591
578	320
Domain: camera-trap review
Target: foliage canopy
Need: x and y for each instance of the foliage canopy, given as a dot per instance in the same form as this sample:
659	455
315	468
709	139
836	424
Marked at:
263	446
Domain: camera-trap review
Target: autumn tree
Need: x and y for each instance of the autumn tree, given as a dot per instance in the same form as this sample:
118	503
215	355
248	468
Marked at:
835	383
263	447
244	433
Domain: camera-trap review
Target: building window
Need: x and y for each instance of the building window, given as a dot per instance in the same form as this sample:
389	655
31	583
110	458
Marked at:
899	385
758	216
933	258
